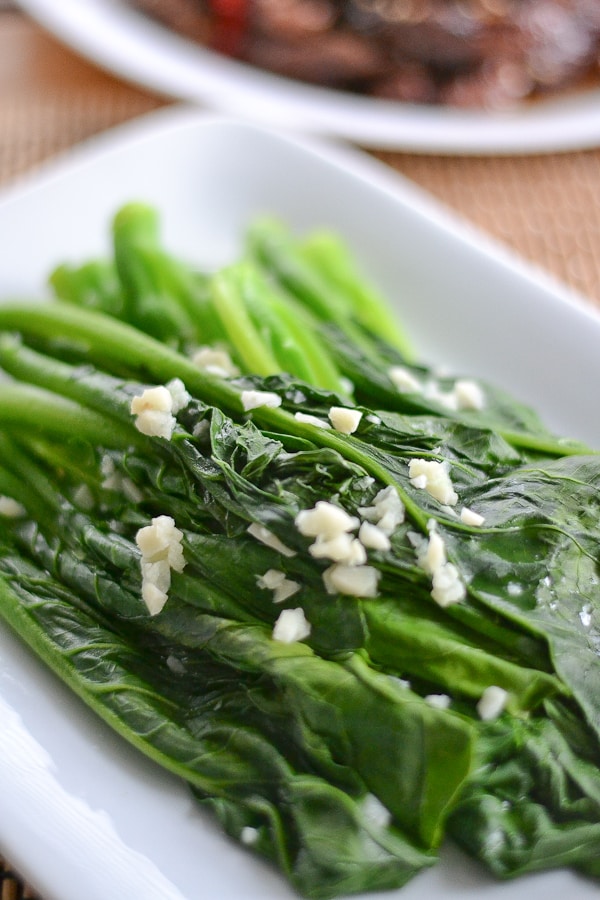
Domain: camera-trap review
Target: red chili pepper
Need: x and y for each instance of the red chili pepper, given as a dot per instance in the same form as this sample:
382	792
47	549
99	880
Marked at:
230	23
230	9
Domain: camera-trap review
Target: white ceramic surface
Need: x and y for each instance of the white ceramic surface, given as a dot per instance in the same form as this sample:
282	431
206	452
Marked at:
123	41
82	814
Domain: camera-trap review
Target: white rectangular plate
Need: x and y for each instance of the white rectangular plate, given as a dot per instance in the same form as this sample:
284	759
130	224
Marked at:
81	813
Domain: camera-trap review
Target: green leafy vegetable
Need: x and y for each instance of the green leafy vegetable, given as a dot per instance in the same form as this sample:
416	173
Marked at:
352	604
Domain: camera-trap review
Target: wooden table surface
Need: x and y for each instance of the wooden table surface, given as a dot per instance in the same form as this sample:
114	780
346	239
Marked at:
546	207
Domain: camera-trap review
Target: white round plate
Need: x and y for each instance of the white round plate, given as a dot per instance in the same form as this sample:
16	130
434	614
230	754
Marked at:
130	45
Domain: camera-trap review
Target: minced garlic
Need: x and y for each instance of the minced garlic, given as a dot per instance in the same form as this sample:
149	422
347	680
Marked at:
161	549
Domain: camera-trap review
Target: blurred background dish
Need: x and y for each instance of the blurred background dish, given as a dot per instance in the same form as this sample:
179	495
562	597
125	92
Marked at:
473	54
475	76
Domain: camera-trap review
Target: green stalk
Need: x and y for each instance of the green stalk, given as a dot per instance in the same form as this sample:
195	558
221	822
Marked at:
250	348
144	261
36	409
270	244
553	446
254	294
142	267
16	487
306	333
294	331
93	285
31	483
328	255
116	341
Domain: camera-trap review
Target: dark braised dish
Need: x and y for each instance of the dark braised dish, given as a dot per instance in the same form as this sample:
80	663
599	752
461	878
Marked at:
465	53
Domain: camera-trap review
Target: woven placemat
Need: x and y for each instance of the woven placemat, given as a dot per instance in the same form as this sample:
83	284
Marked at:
12	886
545	207
50	99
